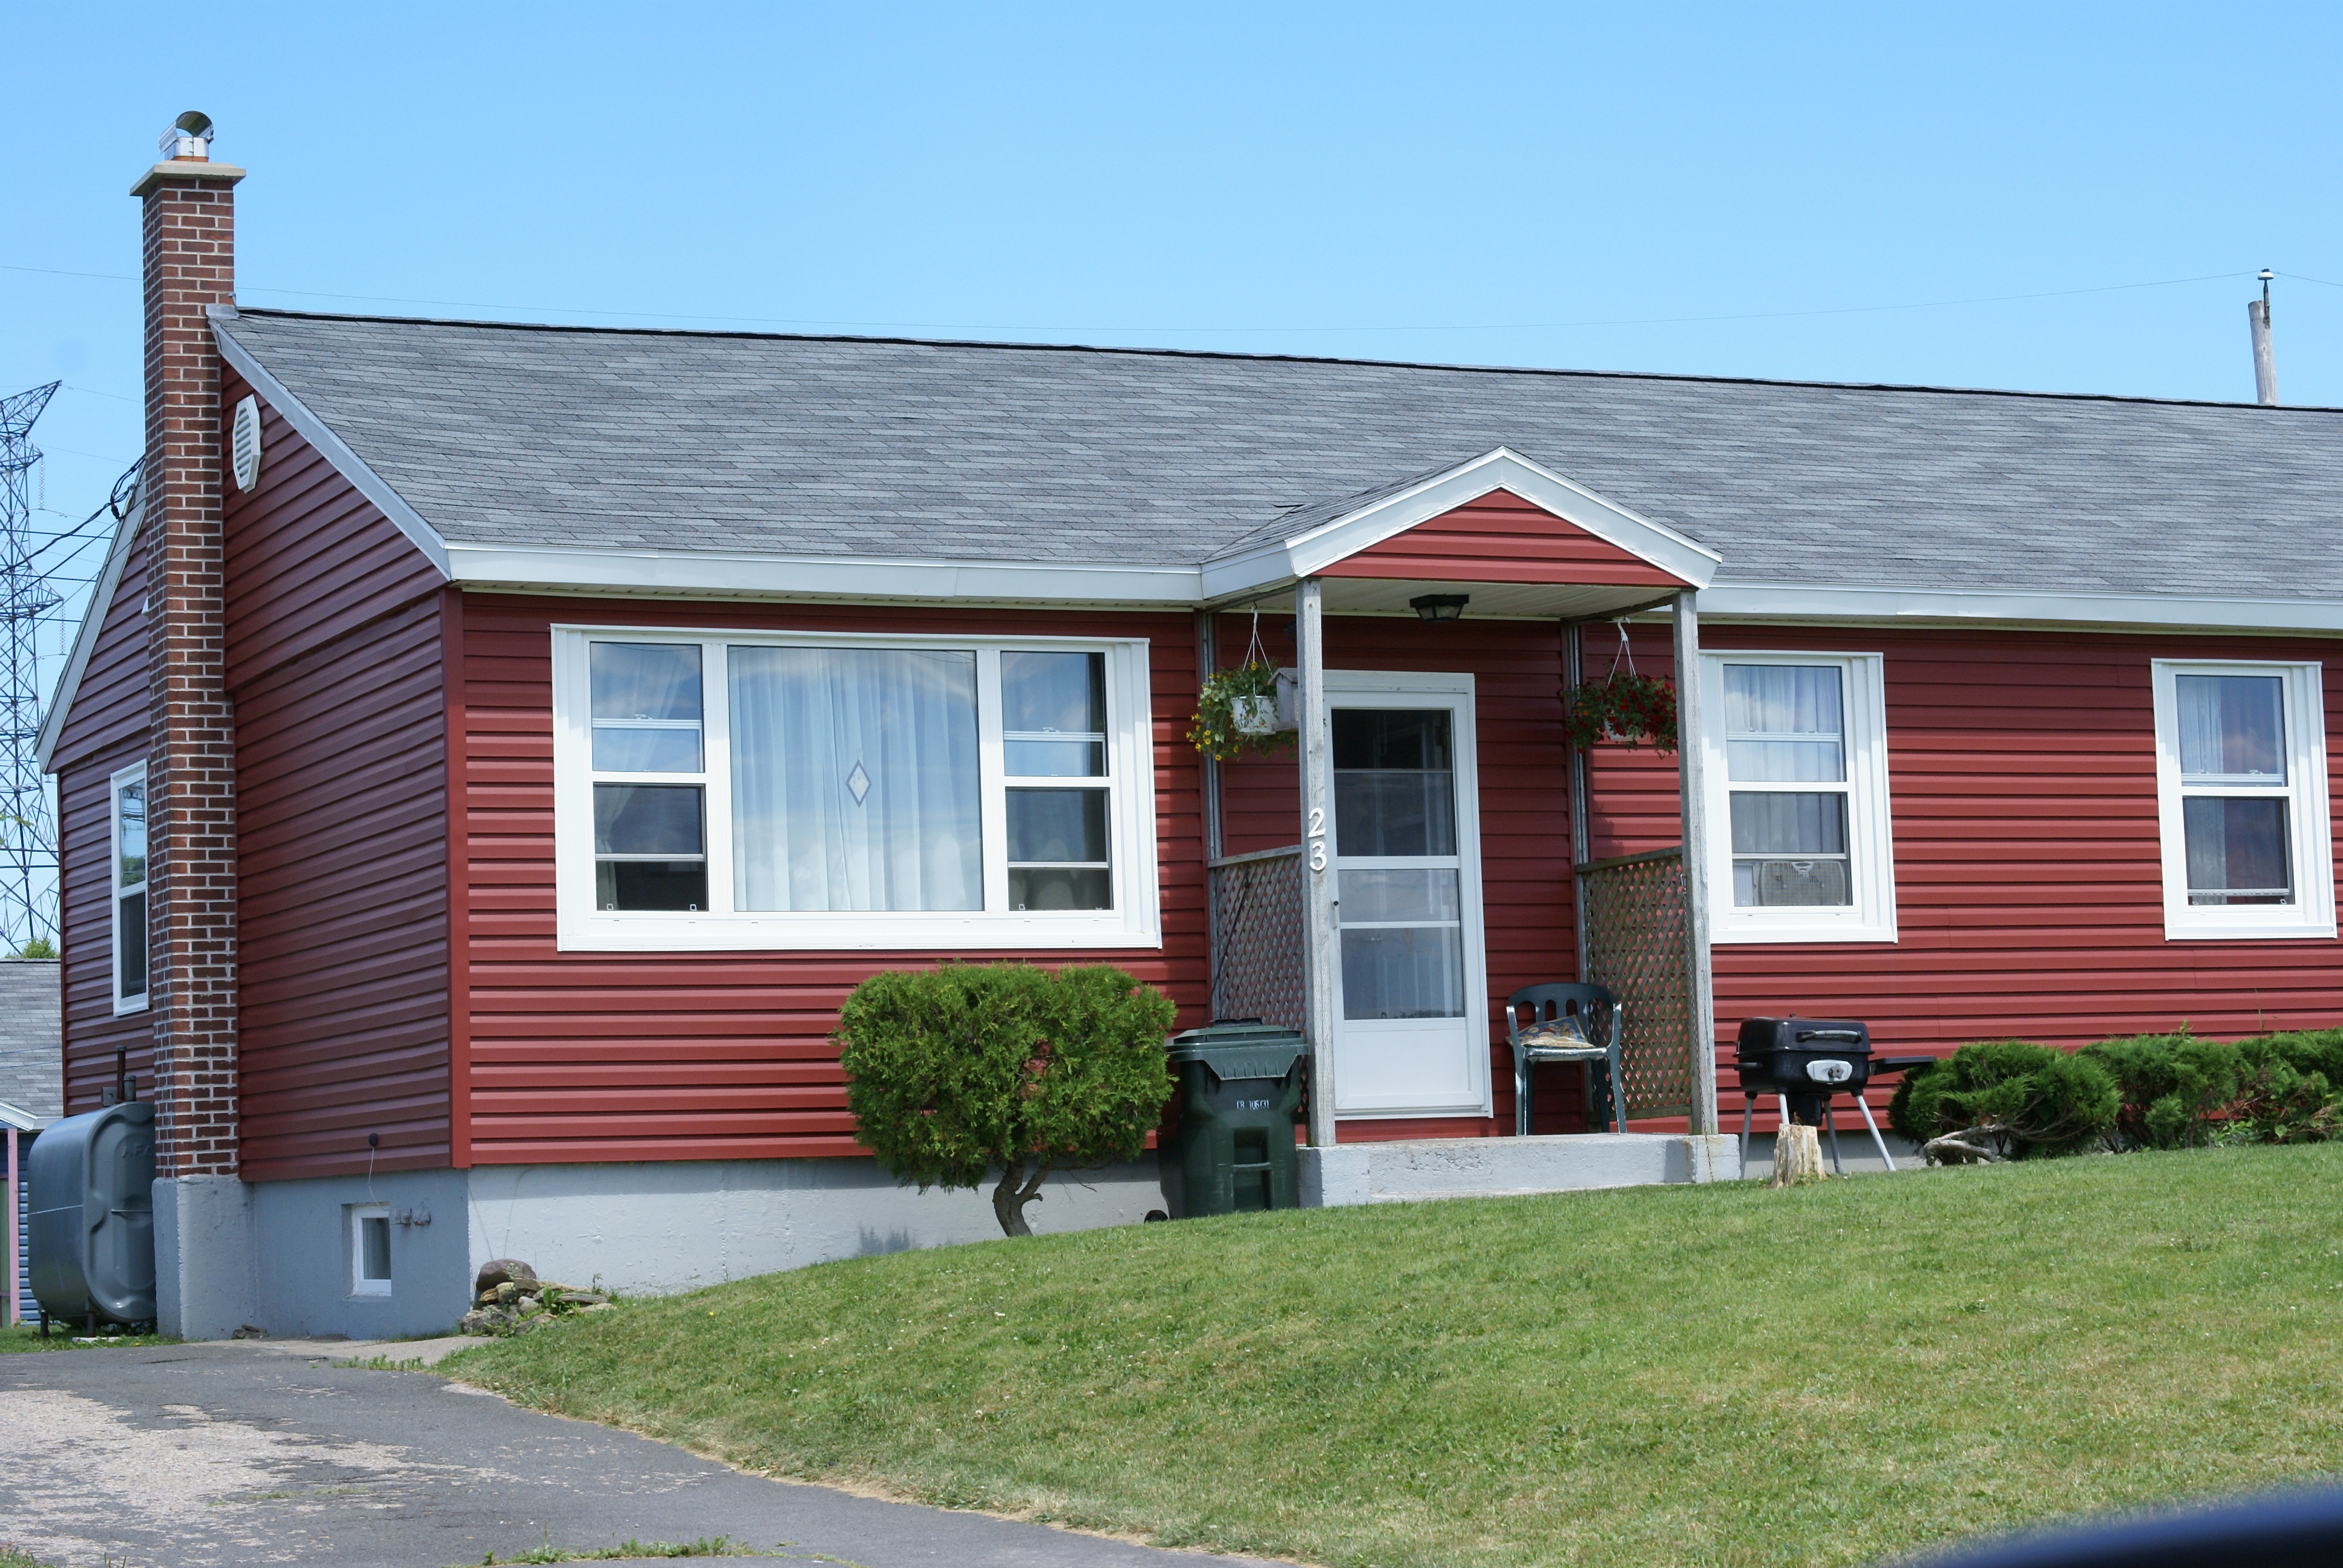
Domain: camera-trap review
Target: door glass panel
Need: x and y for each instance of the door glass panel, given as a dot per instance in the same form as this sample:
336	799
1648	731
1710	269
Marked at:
1403	971
1369	896
1394	782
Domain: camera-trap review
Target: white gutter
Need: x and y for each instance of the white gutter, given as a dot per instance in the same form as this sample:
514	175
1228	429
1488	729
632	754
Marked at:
1815	602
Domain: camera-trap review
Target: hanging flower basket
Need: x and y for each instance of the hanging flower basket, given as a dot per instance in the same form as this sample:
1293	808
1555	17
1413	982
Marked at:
1236	713
1624	709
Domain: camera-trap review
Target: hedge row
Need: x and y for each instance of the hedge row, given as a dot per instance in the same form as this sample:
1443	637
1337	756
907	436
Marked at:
2140	1092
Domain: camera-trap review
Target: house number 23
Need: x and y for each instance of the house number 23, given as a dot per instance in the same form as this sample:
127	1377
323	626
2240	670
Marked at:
1317	836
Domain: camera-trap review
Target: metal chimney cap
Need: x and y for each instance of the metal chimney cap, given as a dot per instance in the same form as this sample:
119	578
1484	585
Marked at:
189	136
2267	274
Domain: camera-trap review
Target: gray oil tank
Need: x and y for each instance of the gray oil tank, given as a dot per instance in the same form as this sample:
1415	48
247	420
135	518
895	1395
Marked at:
93	1189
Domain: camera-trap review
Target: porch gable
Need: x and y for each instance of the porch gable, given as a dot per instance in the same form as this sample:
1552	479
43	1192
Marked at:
1501	538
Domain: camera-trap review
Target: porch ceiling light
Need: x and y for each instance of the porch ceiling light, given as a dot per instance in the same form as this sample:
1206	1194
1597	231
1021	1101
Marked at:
1440	605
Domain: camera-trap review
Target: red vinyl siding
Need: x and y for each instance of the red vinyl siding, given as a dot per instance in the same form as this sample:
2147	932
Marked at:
2028	877
332	651
1500	539
591	1056
106	730
1526	861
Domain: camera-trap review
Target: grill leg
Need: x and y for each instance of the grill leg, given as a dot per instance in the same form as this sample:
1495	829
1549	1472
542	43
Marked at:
1831	1125
1746	1102
1860	1105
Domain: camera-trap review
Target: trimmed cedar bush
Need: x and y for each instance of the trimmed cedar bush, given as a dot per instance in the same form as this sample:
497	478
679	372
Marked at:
2022	1099
958	1072
2182	1092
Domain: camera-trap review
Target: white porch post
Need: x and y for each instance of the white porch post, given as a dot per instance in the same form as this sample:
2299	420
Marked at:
1318	891
1692	801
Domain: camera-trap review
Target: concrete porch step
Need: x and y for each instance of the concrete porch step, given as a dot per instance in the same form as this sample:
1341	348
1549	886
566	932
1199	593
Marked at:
1412	1171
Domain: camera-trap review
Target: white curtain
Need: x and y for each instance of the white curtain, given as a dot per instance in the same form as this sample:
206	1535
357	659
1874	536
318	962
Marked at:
855	780
1786	699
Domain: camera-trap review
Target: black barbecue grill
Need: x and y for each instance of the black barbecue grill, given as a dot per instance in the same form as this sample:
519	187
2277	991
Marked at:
1803	1061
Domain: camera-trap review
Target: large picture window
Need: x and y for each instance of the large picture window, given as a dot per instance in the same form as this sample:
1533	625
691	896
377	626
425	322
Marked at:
759	791
126	855
2241	797
1800	837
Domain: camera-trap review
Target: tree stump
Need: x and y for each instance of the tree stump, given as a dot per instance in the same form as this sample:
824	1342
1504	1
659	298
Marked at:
1797	1155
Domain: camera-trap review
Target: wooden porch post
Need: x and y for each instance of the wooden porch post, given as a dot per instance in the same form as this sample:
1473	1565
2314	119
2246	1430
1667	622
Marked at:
1318	891
1692	803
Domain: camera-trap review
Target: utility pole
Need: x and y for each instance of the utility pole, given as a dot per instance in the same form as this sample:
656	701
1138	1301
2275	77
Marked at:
2265	362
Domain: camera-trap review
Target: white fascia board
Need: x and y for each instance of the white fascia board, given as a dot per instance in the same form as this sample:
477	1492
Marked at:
819	577
335	450
1809	602
93	622
1500	469
23	1120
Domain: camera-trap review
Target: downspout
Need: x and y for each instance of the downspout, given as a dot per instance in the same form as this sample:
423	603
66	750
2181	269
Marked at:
1581	852
1209	769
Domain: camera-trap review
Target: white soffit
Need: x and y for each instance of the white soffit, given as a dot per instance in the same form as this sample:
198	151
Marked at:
1500	469
708	573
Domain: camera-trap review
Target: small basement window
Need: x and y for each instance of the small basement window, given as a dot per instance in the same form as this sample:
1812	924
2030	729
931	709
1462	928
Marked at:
2242	800
369	1249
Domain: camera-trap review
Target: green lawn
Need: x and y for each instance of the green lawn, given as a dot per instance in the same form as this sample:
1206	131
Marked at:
1656	1375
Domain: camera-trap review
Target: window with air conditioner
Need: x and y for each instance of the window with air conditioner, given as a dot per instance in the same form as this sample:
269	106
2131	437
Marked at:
126	858
2241	799
1800	838
766	790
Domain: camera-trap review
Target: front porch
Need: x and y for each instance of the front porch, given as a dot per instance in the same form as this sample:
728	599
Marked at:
1412	1083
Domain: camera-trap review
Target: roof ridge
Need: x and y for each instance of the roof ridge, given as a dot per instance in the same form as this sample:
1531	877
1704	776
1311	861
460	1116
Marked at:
1556	372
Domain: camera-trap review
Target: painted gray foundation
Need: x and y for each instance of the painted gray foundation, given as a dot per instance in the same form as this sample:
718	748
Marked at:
277	1254
1856	1149
679	1226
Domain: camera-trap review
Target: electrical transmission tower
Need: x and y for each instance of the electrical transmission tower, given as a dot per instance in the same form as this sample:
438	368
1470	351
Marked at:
28	843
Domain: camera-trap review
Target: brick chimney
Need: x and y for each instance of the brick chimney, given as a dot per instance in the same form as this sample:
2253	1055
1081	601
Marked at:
188	245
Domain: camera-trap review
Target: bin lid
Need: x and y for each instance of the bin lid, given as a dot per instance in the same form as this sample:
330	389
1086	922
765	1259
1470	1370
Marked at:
1249	1049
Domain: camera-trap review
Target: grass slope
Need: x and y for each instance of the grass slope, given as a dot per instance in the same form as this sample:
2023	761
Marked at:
1719	1375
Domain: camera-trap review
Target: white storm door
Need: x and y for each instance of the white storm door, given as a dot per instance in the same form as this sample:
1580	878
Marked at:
1410	1030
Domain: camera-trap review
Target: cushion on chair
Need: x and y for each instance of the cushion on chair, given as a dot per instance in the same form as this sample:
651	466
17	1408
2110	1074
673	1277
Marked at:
1556	1034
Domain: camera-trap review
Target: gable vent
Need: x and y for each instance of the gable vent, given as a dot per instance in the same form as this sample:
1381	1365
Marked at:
244	444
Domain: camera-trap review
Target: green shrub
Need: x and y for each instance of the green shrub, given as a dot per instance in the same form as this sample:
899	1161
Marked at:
958	1072
2176	1088
2028	1100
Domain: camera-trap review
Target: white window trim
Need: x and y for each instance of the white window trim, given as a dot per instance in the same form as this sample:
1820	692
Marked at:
135	773
1135	921
359	1214
2312	915
1871	849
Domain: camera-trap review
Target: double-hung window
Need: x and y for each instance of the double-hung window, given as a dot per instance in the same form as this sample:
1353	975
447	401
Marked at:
1799	831
2241	798
748	790
126	871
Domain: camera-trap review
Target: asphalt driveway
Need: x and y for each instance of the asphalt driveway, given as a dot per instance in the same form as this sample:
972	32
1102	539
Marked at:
235	1453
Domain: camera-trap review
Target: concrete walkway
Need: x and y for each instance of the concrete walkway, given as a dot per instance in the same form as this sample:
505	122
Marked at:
266	1453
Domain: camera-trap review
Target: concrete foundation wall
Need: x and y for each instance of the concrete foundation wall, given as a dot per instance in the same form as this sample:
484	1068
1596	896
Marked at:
656	1229
302	1269
1415	1169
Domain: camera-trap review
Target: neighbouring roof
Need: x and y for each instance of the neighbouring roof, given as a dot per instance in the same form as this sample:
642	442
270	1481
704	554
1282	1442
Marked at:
32	1063
589	438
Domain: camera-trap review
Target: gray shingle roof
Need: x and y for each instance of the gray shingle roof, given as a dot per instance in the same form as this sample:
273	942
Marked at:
588	437
31	1064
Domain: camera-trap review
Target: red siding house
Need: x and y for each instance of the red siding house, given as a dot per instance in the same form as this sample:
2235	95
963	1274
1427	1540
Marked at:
493	752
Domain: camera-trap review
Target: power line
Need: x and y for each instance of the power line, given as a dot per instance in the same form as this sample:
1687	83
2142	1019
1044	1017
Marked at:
1165	328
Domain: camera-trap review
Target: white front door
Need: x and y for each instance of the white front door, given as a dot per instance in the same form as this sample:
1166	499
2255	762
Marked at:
1410	1005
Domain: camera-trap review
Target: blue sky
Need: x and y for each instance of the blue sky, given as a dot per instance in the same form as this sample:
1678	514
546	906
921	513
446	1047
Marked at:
1727	190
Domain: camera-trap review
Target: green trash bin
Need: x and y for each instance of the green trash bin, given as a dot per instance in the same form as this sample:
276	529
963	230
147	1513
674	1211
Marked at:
1228	1145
